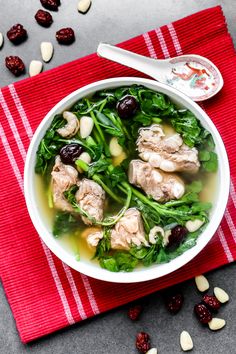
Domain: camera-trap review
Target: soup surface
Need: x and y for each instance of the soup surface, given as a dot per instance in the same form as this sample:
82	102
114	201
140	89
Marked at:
126	178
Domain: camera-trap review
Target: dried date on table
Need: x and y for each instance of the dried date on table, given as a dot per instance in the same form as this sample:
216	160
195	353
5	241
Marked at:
44	18
17	34
65	36
15	65
51	4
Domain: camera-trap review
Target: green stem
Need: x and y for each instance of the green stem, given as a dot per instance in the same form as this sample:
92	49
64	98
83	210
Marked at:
84	166
97	179
157	207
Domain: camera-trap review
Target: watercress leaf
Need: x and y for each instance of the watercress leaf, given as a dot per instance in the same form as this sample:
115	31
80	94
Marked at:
125	261
109	263
212	164
64	223
195	187
204	155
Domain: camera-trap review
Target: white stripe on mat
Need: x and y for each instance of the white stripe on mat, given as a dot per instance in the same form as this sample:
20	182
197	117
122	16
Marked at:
162	43
230	224
12	126
51	264
149	45
90	294
21	111
69	275
233	193
10	155
175	39
225	245
75	291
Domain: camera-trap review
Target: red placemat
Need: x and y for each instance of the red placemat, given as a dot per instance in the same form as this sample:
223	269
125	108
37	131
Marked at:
44	294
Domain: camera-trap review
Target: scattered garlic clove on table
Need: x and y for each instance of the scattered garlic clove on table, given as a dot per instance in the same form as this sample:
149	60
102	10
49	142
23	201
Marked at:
84	5
221	295
35	67
46	51
202	283
152	351
186	341
216	323
1	40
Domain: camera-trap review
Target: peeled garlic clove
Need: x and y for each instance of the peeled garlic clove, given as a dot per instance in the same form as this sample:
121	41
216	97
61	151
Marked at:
1	40
152	351
193	225
84	5
115	148
86	158
216	323
86	126
186	341
46	51
35	67
202	283
221	295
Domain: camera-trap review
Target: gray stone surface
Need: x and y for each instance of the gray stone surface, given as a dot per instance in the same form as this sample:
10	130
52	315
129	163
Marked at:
113	21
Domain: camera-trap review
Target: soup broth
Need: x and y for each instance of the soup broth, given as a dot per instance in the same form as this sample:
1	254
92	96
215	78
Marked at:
172	213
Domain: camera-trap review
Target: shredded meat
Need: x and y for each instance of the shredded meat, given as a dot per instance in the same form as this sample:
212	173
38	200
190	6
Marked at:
91	197
161	186
128	231
63	177
168	153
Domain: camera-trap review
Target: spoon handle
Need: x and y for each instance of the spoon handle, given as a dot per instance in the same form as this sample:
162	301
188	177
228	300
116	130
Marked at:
135	61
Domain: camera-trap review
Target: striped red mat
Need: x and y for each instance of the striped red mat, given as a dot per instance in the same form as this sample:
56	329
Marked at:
45	294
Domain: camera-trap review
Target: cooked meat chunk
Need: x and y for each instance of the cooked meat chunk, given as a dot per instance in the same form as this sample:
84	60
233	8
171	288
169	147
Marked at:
128	231
168	153
91	198
63	177
94	238
161	186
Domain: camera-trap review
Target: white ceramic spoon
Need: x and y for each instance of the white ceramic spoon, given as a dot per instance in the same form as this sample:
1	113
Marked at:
192	74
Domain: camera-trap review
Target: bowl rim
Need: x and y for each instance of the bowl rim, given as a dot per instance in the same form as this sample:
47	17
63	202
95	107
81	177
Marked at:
154	271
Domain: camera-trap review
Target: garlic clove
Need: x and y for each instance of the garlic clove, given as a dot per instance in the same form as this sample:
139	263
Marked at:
35	67
216	323
84	157
221	295
46	51
84	6
186	341
86	126
115	148
1	40
193	225
152	351
202	283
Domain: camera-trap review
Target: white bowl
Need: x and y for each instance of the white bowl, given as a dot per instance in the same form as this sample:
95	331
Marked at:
140	274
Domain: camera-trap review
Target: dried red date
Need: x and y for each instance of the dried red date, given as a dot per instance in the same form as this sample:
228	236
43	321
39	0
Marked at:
177	235
202	313
17	34
15	65
135	312
65	36
211	302
50	4
174	302
44	18
143	342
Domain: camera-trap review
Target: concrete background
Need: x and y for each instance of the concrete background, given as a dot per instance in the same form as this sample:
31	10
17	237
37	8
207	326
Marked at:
114	21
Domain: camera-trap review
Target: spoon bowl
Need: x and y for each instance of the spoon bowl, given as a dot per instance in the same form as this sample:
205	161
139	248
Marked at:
192	74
